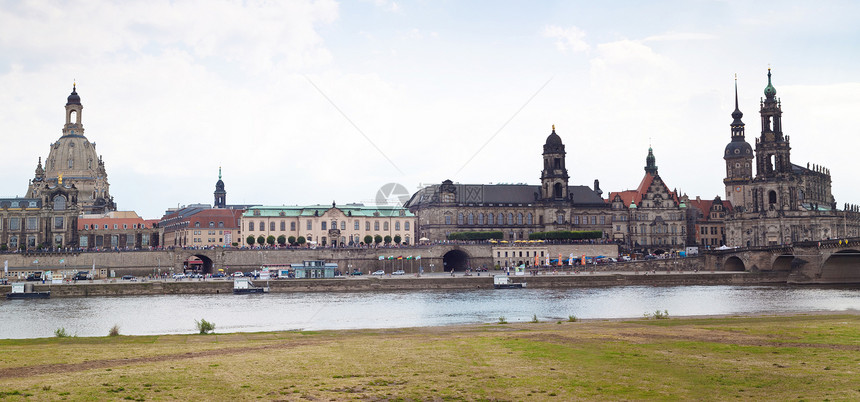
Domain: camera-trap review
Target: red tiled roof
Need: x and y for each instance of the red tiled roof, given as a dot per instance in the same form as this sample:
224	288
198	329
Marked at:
631	196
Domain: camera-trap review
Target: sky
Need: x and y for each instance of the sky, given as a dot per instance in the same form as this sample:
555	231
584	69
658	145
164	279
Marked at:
310	102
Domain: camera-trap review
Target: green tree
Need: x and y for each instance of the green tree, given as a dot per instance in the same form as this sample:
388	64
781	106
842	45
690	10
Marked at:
291	240
387	239
282	240
368	239
301	240
250	240
261	240
377	239
270	240
397	239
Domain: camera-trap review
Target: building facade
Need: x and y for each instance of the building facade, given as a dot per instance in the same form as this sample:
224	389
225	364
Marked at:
651	218
516	210
784	202
201	226
706	222
335	225
117	230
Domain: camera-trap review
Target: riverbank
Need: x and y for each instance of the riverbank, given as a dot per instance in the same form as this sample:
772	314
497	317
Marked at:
758	358
117	287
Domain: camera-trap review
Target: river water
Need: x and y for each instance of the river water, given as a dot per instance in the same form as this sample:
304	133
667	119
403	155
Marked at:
149	315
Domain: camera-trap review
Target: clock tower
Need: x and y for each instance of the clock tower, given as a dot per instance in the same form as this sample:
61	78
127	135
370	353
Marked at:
739	158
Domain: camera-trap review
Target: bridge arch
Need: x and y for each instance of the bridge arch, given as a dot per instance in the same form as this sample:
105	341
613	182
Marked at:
456	260
734	263
783	262
842	266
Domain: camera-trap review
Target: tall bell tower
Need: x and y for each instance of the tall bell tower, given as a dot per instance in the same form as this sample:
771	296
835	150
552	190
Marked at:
554	176
739	159
772	151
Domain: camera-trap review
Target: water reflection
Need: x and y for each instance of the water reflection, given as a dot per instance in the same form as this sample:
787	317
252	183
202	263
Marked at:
311	311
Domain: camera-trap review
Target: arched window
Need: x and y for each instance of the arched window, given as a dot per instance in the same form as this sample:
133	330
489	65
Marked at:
283	226
471	218
197	224
59	203
480	218
529	219
406	225
501	219
367	226
221	224
376	225
460	218
211	224
251	226
510	218
385	226
356	225
397	225
520	218
262	226
490	219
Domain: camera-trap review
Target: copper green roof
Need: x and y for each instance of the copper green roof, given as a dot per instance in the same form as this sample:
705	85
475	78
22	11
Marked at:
319	210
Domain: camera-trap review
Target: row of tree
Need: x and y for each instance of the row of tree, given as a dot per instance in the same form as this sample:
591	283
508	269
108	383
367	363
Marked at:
567	235
298	241
497	235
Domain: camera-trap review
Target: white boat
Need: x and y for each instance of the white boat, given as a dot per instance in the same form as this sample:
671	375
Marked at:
243	285
504	282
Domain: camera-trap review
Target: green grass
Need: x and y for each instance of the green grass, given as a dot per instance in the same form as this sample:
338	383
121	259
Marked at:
753	358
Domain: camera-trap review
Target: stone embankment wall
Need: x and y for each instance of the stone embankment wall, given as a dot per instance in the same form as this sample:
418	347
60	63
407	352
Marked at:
119	288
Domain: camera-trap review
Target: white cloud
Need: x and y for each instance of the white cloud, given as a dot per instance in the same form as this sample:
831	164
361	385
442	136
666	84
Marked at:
567	38
680	36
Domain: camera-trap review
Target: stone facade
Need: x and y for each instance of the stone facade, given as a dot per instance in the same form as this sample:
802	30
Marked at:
784	203
706	222
651	218
516	210
337	225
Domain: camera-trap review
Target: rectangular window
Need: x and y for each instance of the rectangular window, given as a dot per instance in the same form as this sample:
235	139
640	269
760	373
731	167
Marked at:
367	226
58	222
559	219
84	241
115	226
602	220
376	224
129	241
32	223
397	224
576	220
31	241
406	225
283	226
593	220
356	224
343	225
293	226
144	240
323	225
310	225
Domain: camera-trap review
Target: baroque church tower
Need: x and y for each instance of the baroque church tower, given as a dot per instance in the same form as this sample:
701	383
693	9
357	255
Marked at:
73	163
773	152
739	159
220	193
554	178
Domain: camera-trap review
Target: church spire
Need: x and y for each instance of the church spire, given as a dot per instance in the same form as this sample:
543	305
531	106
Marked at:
651	162
737	124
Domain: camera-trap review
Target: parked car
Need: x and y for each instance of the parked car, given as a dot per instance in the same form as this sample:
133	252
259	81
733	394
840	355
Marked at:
81	276
129	278
398	272
35	276
219	275
356	272
380	272
625	258
238	274
175	276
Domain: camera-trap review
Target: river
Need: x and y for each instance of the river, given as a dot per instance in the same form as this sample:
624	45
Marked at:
151	315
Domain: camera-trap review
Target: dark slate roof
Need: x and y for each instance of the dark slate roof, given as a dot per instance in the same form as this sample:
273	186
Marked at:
501	194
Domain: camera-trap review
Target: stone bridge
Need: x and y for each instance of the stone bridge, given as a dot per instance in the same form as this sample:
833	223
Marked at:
824	262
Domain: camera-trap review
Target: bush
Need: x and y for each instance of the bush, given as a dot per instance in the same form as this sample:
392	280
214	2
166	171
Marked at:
497	235
282	240
114	331
567	235
397	239
250	240
661	316
534	319
261	240
387	239
61	333
301	240
368	239
291	240
571	318
502	320
204	326
270	240
377	239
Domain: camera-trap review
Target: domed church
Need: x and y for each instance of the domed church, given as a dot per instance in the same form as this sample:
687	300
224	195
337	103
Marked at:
73	163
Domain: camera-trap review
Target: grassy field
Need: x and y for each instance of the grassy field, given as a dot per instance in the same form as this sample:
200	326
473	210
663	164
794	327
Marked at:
805	357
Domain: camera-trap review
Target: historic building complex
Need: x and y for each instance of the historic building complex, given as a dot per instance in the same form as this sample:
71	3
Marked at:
784	202
514	209
72	182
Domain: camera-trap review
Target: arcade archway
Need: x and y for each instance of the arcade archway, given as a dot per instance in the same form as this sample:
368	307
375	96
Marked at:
198	263
456	260
842	266
783	263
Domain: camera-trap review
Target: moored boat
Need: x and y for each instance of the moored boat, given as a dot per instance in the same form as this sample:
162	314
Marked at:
21	290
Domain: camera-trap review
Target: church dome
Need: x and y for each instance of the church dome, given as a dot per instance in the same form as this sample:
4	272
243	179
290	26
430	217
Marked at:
769	90
553	143
74	98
